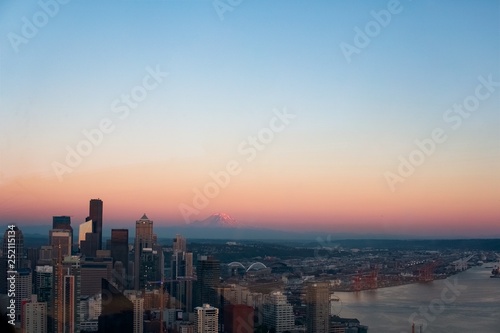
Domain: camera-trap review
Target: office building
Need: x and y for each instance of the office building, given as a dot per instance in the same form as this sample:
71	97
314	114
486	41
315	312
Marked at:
145	253
44	289
45	256
318	307
90	246
95	214
60	240
65	303
179	244
93	270
119	247
63	223
84	229
181	281
138	304
207	284
23	290
278	313
34	315
206	319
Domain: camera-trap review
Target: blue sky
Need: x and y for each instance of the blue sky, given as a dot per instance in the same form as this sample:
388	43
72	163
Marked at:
226	77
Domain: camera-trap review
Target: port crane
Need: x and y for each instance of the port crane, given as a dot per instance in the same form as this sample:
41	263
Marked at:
162	284
462	264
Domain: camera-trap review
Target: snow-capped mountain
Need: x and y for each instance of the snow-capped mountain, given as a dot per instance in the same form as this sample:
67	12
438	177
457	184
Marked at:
217	220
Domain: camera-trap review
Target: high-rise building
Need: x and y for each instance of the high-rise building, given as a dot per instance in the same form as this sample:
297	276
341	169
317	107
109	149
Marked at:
92	270
144	245
95	214
69	303
238	318
318	307
179	244
23	290
278	313
46	255
66	282
63	223
138	303
34	316
119	247
83	230
117	314
150	267
90	246
60	240
181	281
32	255
44	290
206	319
207	284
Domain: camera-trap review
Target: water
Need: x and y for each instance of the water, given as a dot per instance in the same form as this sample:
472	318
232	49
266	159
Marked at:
474	306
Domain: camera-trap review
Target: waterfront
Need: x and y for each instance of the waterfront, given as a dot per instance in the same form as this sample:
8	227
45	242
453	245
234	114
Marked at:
474	307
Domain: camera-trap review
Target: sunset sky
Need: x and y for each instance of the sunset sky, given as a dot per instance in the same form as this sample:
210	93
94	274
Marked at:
179	89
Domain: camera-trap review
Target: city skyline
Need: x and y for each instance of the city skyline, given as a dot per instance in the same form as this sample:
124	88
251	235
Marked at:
365	118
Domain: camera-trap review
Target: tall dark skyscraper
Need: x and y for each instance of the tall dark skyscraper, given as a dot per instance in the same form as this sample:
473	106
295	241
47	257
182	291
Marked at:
95	214
208	274
62	222
117	313
119	250
181	284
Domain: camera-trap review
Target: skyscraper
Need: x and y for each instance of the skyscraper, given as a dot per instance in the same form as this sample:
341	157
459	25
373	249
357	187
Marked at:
63	223
117	313
181	285
95	214
278	313
92	270
138	302
119	247
208	275
179	244
60	240
83	229
143	246
66	282
23	288
318	307
90	245
44	280
206	319
34	316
